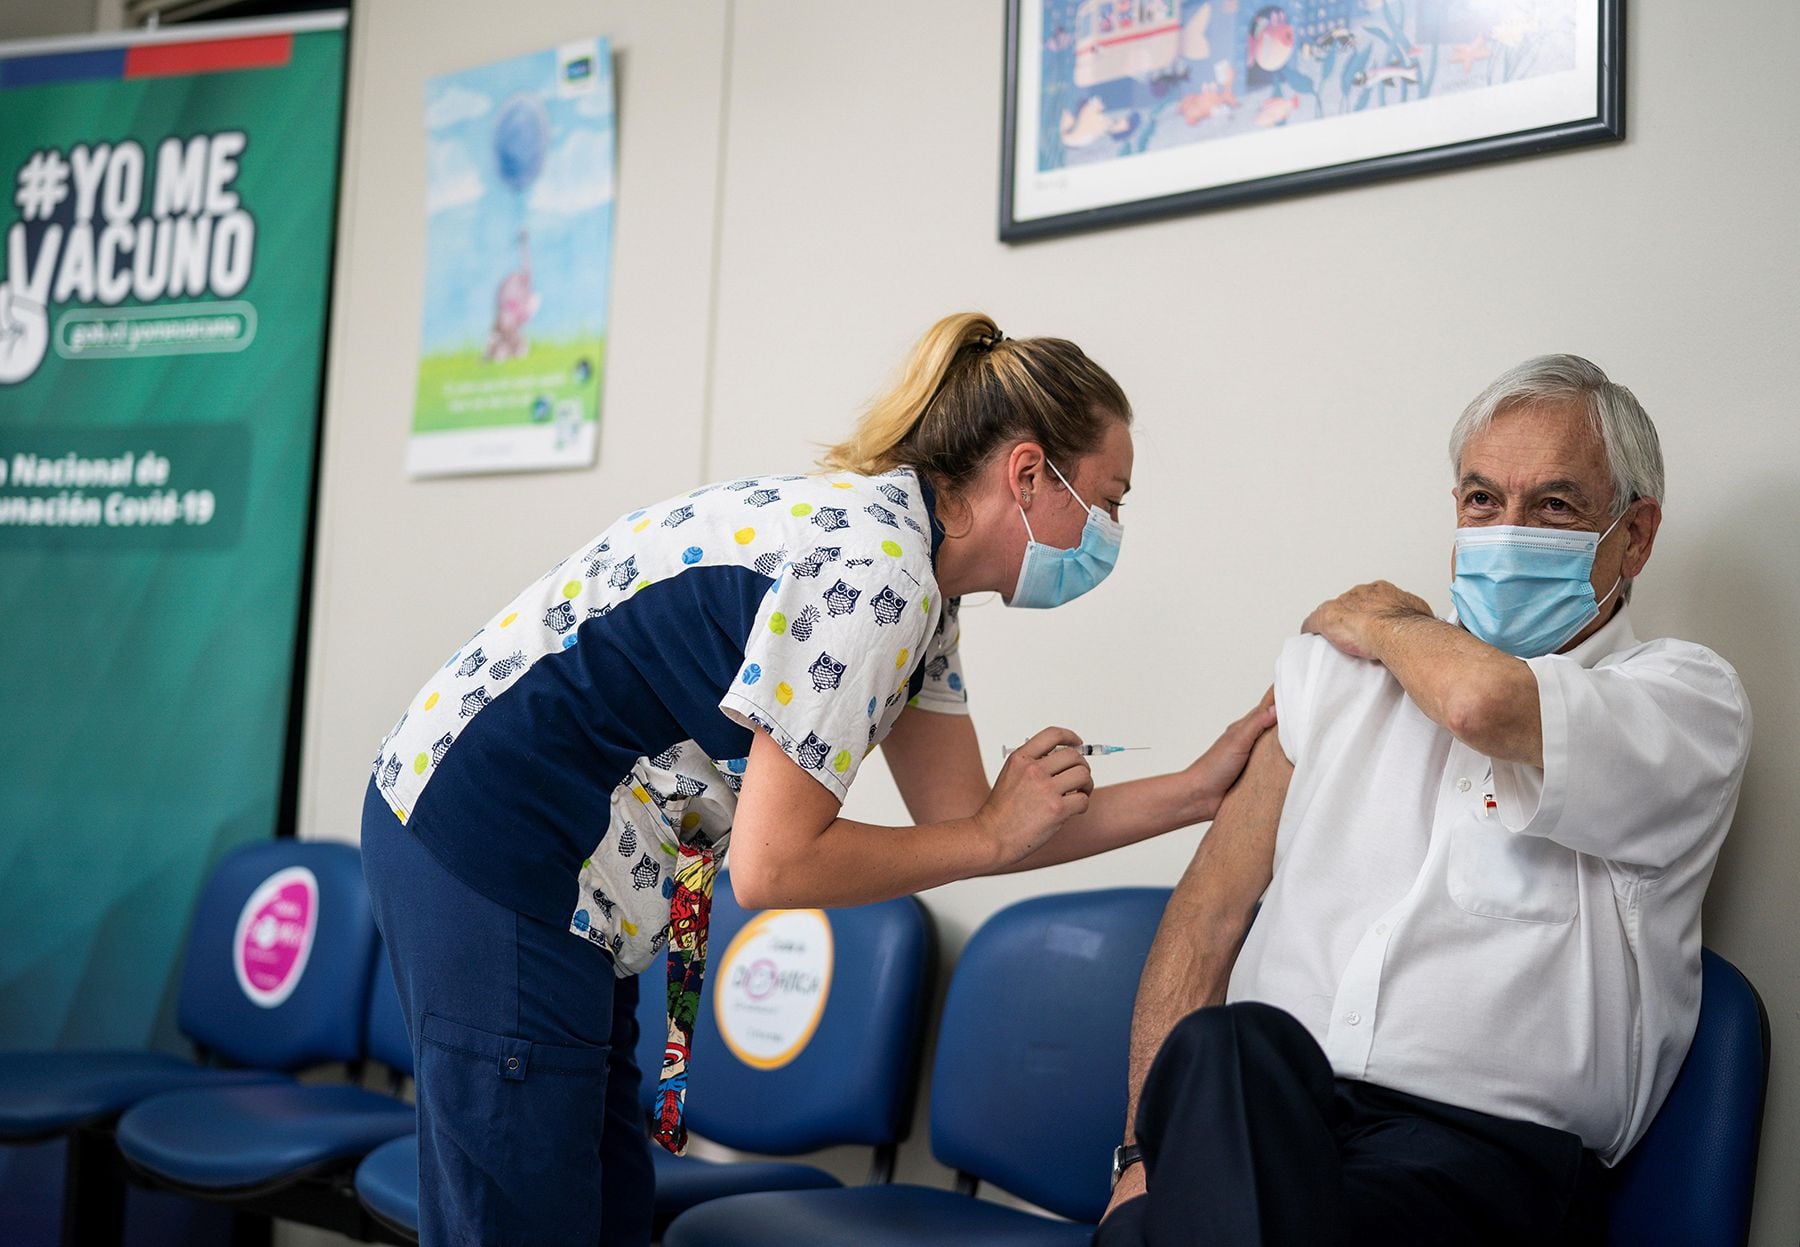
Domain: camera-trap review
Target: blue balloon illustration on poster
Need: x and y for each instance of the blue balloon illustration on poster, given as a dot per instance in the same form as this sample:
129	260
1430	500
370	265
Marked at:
519	207
521	141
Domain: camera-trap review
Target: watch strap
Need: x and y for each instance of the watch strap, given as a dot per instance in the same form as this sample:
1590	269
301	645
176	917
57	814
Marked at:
1124	1157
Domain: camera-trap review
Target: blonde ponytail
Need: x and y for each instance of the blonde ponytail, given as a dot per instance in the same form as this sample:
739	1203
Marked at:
875	444
966	389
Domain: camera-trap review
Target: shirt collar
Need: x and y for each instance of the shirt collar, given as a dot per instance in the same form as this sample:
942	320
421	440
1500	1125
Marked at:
1611	637
928	496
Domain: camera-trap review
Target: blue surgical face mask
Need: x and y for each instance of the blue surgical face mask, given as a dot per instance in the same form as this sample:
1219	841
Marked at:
1050	575
1526	590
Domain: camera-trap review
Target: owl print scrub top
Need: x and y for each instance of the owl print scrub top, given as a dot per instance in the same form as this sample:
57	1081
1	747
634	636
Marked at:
578	760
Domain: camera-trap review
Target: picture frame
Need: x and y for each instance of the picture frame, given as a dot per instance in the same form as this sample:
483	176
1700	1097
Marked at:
1118	111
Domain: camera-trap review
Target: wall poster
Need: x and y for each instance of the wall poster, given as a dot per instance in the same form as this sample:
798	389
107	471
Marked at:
519	202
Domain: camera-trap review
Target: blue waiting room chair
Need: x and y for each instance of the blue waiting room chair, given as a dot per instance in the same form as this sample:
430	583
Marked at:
1690	1180
284	1149
852	1084
1028	1092
239	1043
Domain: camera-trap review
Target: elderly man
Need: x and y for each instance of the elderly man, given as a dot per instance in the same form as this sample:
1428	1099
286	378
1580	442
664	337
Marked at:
1481	847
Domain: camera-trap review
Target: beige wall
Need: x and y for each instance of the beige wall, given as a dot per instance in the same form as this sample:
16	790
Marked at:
804	185
37	19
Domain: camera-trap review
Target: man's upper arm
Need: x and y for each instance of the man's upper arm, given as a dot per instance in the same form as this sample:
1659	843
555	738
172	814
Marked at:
1642	758
1238	853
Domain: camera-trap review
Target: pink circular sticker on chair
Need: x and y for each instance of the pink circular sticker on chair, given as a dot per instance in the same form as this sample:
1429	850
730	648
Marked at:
275	935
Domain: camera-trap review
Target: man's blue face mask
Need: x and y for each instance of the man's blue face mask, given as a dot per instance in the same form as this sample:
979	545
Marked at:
1050	576
1526	590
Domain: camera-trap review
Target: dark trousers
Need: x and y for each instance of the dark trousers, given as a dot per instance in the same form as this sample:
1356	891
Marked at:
1248	1138
524	1043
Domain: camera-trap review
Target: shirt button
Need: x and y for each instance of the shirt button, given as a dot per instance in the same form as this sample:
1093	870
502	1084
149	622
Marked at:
1462	785
512	1062
1381	928
1353	1017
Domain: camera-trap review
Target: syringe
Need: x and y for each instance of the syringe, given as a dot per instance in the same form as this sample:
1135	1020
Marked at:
1086	751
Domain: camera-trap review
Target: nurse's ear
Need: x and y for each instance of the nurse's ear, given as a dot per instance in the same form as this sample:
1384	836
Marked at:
1025	471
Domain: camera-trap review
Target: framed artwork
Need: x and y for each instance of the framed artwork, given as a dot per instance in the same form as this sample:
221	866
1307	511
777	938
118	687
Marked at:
1124	110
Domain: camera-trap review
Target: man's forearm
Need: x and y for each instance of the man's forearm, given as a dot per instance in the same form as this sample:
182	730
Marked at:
1485	698
1190	960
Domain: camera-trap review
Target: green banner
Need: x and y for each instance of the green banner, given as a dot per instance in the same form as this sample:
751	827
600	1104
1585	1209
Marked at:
167	229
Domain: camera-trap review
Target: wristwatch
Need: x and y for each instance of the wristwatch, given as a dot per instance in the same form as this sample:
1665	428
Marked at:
1124	1157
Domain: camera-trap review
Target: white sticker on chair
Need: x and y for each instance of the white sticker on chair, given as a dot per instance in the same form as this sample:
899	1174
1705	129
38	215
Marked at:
772	986
275	935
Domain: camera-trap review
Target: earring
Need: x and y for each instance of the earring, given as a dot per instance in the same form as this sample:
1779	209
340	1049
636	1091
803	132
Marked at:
1026	495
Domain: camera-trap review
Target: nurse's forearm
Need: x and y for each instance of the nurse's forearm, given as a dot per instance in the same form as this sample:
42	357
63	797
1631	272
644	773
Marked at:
790	847
1121	814
852	863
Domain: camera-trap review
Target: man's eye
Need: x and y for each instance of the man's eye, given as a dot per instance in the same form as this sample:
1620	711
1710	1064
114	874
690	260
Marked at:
1479	499
1555	504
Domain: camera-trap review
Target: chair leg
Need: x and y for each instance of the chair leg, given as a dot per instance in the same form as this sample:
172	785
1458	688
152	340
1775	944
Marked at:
881	1165
93	1212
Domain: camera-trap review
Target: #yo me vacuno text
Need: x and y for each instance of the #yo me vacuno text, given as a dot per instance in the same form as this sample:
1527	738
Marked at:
160	507
104	223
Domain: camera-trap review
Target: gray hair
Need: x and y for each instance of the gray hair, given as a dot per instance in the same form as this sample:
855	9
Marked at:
1633	451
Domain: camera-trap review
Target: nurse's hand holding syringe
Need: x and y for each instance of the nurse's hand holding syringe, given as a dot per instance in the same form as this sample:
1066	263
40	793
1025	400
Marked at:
1127	811
1042	783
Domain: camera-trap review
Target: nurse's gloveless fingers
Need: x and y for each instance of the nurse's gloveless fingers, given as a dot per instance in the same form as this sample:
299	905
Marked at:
1077	778
1044	742
1061	759
1042	784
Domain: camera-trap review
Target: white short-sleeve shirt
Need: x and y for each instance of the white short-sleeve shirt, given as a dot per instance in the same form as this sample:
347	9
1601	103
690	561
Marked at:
1517	940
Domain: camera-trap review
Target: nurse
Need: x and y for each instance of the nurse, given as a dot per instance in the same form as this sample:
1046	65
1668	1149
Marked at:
546	818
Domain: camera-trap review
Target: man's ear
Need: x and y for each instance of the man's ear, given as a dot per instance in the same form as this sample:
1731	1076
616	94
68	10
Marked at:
1641	524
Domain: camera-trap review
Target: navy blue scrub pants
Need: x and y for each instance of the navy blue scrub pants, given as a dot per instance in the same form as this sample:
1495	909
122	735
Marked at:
1249	1139
524	1043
